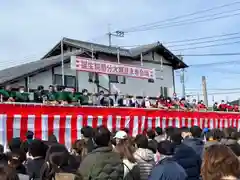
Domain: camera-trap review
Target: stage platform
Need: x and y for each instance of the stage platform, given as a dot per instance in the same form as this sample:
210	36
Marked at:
66	122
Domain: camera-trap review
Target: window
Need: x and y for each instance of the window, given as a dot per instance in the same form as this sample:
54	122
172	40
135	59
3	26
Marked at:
57	79
70	81
122	79
96	78
164	91
161	90
151	80
90	76
113	78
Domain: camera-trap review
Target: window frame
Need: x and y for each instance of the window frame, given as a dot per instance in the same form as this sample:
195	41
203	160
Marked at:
113	80
65	80
151	81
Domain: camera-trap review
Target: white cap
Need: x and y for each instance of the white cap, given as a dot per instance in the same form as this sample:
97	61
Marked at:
121	135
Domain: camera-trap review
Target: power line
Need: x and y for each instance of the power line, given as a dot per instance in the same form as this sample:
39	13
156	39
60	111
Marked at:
204	42
215	89
217	54
214	63
207	46
190	40
184	15
214	93
185	23
203	38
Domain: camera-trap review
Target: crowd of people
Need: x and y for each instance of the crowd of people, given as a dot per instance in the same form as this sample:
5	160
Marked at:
169	154
59	95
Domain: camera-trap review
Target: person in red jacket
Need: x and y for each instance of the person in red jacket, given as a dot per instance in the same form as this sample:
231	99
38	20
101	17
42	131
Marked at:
161	102
229	107
182	104
222	106
201	105
236	108
169	103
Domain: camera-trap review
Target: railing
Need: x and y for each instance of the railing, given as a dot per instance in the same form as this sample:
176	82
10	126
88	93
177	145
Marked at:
77	105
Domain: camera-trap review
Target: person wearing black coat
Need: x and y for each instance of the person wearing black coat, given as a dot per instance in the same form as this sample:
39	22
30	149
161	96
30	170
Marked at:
37	149
187	154
189	160
167	168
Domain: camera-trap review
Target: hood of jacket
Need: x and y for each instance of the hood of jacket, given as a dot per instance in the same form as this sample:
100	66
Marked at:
144	154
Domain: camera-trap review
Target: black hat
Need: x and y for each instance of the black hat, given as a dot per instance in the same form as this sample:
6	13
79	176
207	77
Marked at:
29	135
165	148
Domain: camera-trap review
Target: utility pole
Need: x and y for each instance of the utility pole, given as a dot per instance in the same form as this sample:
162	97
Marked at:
62	62
182	80
116	34
204	87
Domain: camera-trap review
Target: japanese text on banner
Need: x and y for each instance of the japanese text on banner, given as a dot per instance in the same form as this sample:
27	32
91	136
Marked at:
85	64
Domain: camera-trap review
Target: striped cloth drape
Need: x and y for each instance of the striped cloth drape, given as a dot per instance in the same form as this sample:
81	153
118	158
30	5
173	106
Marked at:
66	122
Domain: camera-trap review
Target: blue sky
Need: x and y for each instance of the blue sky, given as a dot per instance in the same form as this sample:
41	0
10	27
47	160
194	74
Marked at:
30	28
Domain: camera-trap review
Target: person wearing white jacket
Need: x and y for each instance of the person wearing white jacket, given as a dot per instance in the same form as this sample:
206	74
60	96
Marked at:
125	149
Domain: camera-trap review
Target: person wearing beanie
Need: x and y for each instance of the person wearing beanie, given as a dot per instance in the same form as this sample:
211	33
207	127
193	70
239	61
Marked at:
164	168
29	139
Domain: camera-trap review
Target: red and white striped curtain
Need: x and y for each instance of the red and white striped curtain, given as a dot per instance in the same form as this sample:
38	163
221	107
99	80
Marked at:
66	122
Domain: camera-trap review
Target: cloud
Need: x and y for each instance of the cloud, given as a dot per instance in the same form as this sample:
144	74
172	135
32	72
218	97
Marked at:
30	28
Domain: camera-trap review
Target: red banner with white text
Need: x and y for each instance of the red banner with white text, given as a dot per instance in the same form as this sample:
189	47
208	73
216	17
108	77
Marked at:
66	122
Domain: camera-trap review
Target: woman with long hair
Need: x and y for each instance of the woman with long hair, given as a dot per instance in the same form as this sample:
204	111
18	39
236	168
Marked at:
219	162
57	164
79	148
126	150
7	173
78	152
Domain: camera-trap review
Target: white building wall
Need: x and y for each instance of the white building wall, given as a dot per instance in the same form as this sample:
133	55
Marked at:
43	78
133	86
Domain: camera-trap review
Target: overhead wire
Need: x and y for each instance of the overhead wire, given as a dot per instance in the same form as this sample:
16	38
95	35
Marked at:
213	93
204	42
207	46
214	63
212	54
214	89
182	23
184	15
202	38
172	43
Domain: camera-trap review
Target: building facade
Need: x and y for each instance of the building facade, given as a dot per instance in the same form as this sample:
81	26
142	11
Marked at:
151	56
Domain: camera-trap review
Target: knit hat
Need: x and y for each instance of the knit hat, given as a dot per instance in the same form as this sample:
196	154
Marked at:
29	135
